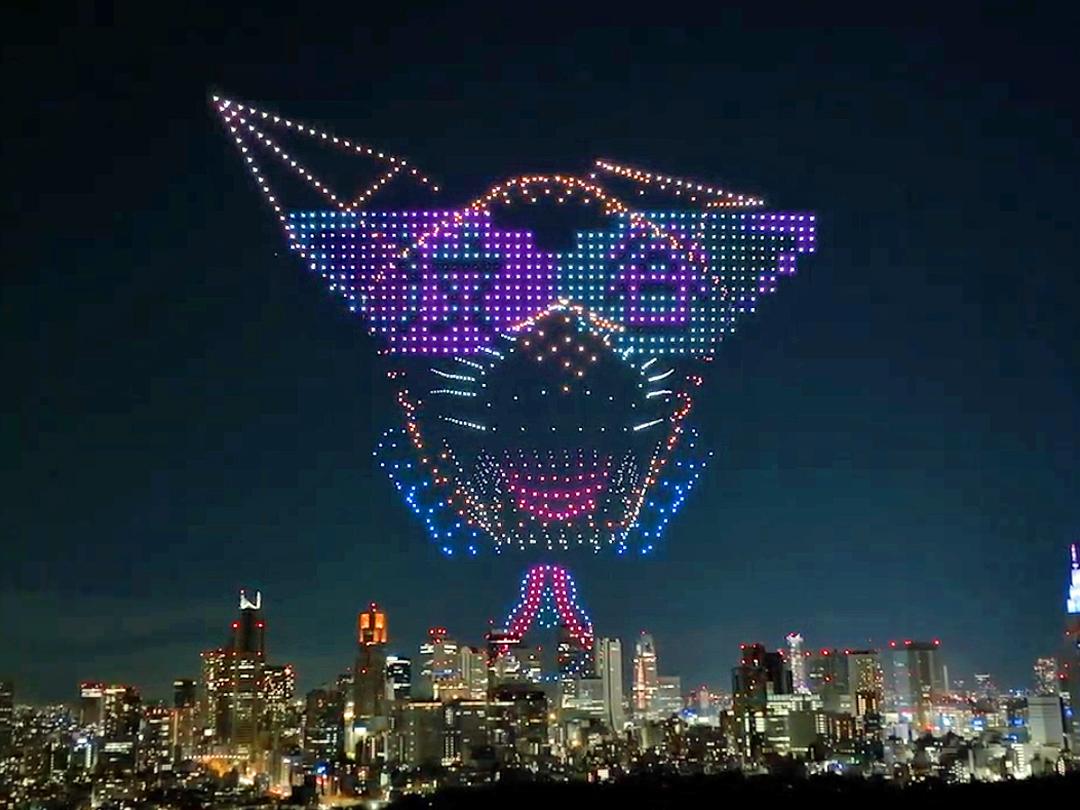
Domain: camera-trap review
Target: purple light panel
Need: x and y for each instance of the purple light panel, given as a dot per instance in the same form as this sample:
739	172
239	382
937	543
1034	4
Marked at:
436	283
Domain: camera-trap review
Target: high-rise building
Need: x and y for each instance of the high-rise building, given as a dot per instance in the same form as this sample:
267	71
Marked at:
185	693
669	700
918	679
573	659
324	737
7	716
118	727
215	694
245	660
1046	676
438	664
866	680
646	675
398	677
518	723
1045	721
609	671
1072	599
186	727
1071	659
797	663
232	700
759	674
120	712
474	672
465	729
369	674
157	750
249	631
91	705
419	733
582	698
510	660
278	690
757	681
830	679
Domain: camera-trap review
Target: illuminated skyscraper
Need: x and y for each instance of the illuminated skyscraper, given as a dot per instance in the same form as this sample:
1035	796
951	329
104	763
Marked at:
1072	601
120	720
232	699
245	659
439	664
573	659
474	672
398	677
7	715
1071	660
1046	676
369	675
829	678
918	679
249	631
185	693
646	677
760	673
157	750
324	738
669	699
215	692
609	671
278	721
510	660
867	682
756	683
91	705
121	712
278	690
797	662
186	708
465	730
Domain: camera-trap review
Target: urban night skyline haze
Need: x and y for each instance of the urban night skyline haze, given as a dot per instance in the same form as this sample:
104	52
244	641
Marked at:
896	432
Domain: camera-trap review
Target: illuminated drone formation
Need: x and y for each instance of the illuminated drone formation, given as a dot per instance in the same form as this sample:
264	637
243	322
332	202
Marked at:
549	599
544	394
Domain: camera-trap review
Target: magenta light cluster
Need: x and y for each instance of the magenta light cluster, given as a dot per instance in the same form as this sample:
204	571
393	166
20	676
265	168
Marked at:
550	583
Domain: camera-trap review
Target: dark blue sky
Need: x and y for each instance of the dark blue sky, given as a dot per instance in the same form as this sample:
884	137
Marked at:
896	430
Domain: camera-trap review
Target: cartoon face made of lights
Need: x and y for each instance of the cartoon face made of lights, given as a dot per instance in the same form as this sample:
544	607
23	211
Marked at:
544	394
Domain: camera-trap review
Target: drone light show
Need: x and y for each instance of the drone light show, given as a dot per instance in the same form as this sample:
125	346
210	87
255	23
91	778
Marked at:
546	395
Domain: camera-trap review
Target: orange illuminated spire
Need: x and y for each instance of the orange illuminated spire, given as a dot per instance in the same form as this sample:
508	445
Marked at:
371	626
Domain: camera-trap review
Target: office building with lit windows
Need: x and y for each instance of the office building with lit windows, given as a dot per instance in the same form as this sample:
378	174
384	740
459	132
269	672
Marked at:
398	677
186	728
797	664
610	672
645	676
916	679
439	665
1046	680
7	716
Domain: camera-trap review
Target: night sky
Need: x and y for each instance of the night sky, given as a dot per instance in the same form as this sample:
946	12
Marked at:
186	412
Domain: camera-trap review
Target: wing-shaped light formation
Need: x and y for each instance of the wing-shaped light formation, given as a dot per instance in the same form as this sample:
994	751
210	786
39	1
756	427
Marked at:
545	394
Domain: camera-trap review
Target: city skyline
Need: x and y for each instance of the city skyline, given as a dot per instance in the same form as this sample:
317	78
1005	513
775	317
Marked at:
455	714
897	439
640	687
